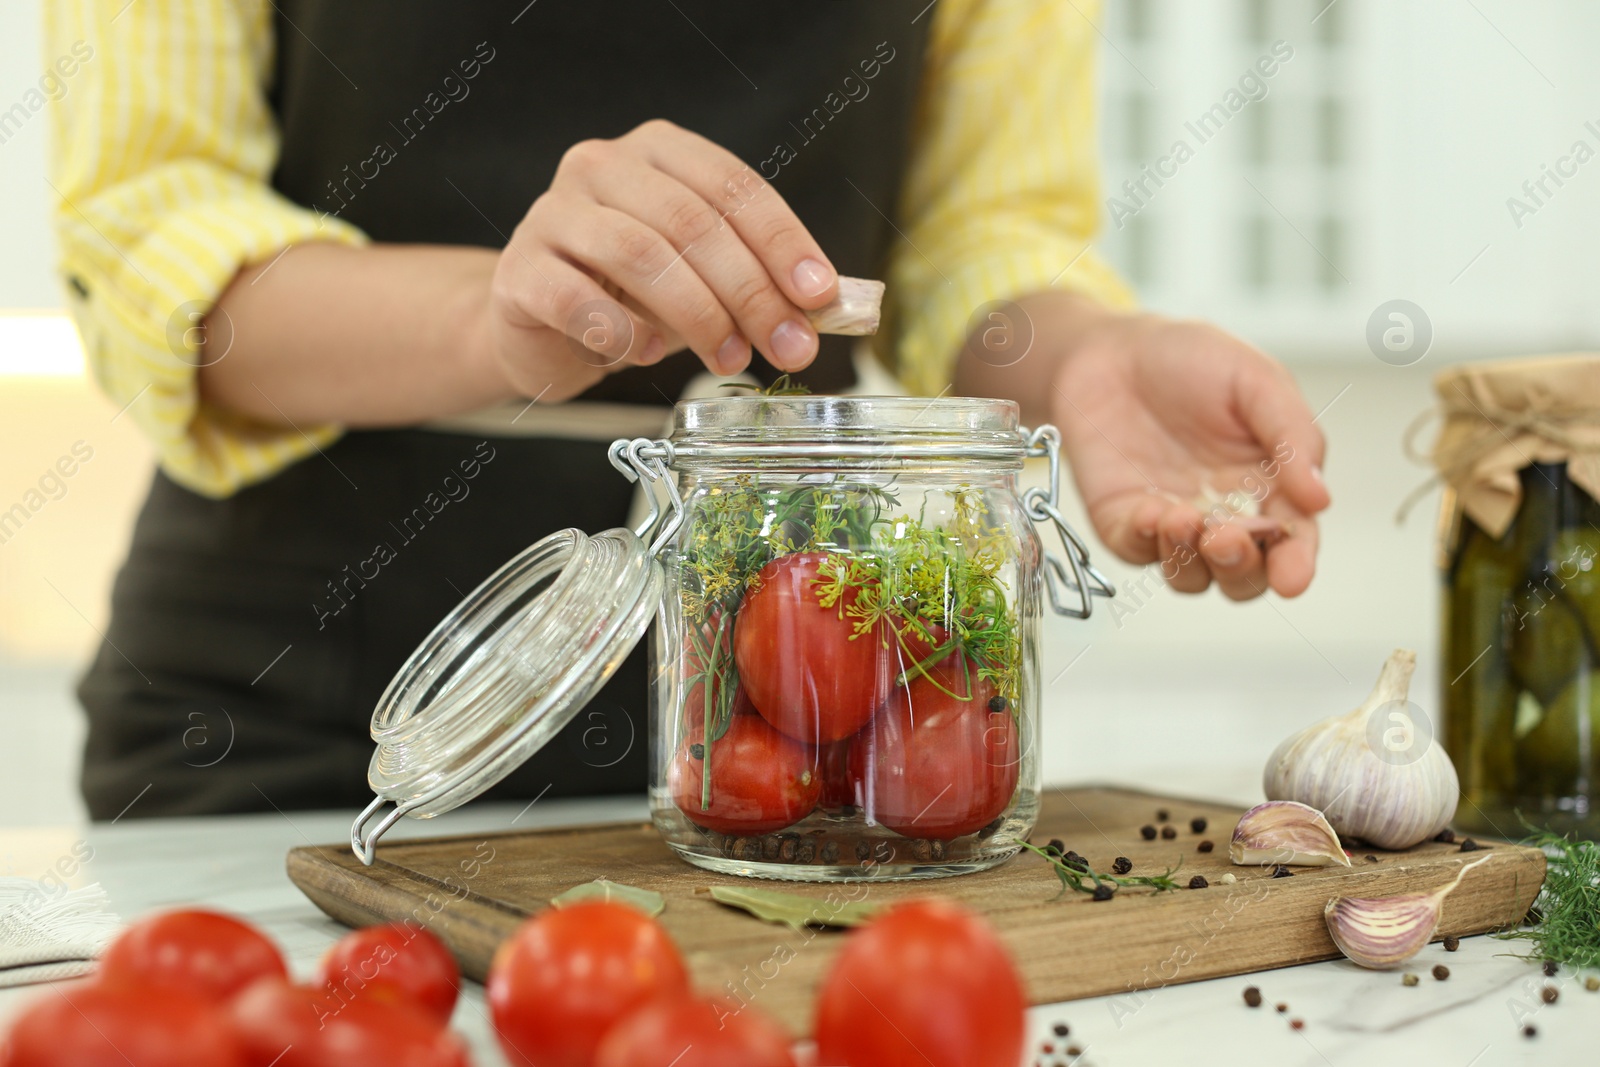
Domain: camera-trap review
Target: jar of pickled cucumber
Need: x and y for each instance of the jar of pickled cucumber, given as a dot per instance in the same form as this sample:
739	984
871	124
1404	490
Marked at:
1520	540
847	594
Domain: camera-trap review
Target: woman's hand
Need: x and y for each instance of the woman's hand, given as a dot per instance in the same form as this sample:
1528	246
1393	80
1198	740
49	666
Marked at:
1161	420
646	244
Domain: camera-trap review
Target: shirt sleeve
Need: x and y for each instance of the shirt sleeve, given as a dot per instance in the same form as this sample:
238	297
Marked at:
163	144
1002	193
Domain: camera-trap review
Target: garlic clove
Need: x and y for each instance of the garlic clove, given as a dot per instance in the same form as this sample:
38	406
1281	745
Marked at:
1376	772
1384	932
1286	832
855	312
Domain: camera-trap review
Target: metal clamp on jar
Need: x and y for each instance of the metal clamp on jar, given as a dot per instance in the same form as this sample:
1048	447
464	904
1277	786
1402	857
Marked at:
846	680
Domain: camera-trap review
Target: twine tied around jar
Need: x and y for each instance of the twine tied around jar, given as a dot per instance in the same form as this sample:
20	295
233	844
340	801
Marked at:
1499	418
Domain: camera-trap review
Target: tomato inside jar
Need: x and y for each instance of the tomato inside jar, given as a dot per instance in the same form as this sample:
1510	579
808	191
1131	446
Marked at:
846	680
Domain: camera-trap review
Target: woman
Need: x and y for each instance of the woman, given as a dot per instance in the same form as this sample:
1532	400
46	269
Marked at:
299	245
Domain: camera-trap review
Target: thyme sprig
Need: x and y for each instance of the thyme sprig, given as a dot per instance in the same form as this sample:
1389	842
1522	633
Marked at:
1085	879
1566	914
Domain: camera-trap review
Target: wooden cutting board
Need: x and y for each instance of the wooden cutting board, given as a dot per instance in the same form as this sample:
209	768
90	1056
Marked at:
474	891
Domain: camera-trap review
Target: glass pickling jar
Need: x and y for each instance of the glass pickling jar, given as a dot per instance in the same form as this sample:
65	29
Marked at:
847	593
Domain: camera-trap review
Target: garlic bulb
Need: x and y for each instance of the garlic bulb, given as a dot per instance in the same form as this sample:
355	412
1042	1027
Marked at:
1369	771
1384	932
1282	831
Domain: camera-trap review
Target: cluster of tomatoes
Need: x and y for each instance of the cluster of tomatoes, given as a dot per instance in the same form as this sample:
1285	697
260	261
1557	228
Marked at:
601	985
202	989
820	719
594	984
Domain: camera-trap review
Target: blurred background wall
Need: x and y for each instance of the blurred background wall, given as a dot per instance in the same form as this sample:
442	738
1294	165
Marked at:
1376	163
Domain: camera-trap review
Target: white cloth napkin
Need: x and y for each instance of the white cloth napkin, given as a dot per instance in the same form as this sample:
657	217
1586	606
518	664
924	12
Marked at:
48	933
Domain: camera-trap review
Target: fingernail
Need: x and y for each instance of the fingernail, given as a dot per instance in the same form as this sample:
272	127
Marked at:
812	278
793	344
733	355
1227	557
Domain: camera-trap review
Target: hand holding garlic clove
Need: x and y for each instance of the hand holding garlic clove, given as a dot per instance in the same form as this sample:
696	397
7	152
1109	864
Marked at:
1393	800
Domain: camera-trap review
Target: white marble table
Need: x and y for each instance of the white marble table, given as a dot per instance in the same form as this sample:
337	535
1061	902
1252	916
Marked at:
1351	1016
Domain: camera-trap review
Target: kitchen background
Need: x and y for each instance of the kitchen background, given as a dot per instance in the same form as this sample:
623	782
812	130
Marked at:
1384	160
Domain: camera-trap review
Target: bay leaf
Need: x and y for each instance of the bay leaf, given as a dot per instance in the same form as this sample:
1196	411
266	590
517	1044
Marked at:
792	909
647	901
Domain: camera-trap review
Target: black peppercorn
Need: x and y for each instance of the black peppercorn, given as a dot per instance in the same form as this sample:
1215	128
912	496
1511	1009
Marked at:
1198	882
1282	1008
1452	943
1549	994
1121	865
1440	971
1056	846
1074	1051
1204	846
1162	815
1103	892
1280	871
1168	833
1529	1031
697	750
1075	861
1252	996
1061	1029
922	850
863	850
1297	1024
1446	836
1551	968
997	704
1469	845
790	848
830	852
1197	825
1370	858
1147	832
939	850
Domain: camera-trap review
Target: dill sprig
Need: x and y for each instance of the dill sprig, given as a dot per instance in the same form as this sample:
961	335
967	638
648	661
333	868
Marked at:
1566	914
1086	879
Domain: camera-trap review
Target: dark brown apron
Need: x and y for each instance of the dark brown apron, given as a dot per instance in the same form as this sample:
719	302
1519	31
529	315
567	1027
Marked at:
251	637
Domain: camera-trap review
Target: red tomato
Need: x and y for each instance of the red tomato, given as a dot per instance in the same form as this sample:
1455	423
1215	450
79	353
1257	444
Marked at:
106	1026
925	984
932	766
802	664
569	974
285	1025
839	782
202	952
395	961
688	1032
761	781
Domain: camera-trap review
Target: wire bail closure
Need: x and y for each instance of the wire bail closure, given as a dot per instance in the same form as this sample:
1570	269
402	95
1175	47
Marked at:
646	462
1077	573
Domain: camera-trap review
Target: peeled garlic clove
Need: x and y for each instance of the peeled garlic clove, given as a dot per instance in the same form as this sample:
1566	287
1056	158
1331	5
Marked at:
854	312
1384	932
1374	772
1282	831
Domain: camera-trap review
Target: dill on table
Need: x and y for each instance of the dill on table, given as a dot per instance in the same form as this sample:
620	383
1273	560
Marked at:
1085	879
1566	914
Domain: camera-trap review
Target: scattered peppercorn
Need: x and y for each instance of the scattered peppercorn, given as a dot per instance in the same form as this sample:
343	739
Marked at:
1280	871
1057	846
1198	825
697	750
1147	832
1252	996
1205	846
1409	979
1440	971
1469	845
1529	1031
997	704
1282	1008
1074	1051
1061	1029
1198	882
1551	968
1452	943
1370	858
1162	815
1446	836
1102	892
1297	1024
1549	994
1047	1048
1168	833
1592	984
1121	865
1075	861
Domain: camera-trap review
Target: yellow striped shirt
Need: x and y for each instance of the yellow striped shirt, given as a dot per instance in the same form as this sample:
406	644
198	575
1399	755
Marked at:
164	143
